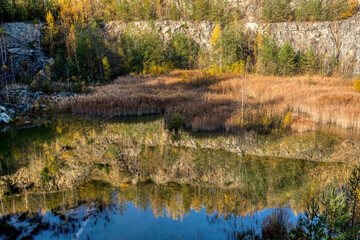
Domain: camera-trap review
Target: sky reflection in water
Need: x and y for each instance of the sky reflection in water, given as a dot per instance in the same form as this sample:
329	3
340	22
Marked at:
114	222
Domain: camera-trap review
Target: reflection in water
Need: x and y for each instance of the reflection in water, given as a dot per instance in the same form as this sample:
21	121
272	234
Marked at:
101	180
103	212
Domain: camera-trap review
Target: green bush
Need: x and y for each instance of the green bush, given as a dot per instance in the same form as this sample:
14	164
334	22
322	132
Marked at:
176	122
183	51
107	168
101	166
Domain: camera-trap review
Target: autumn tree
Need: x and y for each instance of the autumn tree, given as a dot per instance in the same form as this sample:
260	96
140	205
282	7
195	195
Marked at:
216	48
51	31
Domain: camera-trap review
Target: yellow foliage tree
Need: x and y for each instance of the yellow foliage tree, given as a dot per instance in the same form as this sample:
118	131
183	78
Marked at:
216	34
106	68
216	51
51	30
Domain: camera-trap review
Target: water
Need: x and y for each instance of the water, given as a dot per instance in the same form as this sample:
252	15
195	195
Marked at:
146	211
77	178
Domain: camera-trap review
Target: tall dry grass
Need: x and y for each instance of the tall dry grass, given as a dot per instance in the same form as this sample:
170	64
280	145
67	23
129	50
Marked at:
217	106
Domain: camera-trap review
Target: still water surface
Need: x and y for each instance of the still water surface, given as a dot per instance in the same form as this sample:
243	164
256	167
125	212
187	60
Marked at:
77	182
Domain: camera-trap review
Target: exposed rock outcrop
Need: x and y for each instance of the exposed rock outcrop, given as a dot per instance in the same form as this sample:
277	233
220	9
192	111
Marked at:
24	55
199	31
340	39
21	51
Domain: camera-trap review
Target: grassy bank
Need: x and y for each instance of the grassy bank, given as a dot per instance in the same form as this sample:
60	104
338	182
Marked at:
227	102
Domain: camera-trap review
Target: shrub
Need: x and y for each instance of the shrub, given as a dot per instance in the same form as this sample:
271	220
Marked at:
330	218
106	66
357	85
176	122
238	67
107	168
183	51
340	9
101	166
200	79
287	120
156	69
308	10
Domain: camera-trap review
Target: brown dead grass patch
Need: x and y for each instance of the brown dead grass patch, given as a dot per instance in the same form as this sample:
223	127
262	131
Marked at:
302	125
217	106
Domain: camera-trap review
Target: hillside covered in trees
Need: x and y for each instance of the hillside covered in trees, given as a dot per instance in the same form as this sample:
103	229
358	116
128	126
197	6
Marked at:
72	34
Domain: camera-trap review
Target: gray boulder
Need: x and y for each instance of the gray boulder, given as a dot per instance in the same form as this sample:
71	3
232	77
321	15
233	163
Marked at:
4	118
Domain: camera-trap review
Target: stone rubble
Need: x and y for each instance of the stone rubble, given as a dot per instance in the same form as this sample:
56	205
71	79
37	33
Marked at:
24	102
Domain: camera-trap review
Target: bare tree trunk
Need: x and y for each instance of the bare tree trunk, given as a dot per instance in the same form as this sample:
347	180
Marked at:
3	50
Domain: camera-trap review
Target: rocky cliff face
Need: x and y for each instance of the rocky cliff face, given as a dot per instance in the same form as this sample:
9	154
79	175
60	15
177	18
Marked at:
199	31
340	39
250	10
20	50
24	56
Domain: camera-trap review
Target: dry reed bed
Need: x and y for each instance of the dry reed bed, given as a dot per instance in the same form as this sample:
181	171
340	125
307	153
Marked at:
218	106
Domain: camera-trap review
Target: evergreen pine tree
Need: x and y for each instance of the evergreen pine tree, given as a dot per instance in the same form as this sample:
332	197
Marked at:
174	12
268	64
201	10
309	63
233	45
183	51
287	60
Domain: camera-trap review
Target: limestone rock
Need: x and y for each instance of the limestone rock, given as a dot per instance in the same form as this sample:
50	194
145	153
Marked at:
4	118
23	53
199	31
340	39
